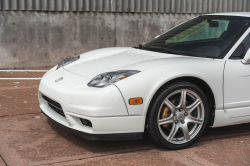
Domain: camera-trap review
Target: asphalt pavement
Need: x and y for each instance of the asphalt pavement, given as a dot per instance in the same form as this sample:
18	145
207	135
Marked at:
28	138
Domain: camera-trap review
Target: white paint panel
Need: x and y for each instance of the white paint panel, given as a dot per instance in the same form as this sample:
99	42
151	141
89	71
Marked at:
236	91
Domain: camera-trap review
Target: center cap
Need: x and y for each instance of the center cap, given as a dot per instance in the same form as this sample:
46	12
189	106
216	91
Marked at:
180	116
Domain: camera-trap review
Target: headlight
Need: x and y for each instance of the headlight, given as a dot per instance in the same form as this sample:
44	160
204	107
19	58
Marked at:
67	61
109	78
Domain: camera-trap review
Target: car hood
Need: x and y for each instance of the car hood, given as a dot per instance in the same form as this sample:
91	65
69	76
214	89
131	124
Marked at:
100	61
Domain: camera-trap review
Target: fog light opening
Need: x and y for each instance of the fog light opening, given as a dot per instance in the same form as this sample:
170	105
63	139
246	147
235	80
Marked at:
86	122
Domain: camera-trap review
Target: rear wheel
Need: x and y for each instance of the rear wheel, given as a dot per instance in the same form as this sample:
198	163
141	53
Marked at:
178	115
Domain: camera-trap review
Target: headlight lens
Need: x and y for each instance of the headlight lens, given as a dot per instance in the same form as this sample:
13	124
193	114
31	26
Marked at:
109	78
67	61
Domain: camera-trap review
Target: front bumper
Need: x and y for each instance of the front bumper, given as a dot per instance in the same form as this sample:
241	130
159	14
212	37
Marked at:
103	137
104	108
100	125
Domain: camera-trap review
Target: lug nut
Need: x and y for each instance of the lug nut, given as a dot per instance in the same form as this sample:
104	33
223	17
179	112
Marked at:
185	113
182	121
176	121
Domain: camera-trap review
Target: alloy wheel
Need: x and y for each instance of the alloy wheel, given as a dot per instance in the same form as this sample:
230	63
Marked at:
185	116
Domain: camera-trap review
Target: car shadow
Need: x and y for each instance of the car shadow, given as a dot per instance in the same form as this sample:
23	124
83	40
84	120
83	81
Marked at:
145	143
226	132
101	146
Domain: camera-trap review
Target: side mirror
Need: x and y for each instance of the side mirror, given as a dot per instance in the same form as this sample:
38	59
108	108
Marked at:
246	59
157	36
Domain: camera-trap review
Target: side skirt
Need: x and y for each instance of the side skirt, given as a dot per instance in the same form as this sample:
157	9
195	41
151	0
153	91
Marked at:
222	120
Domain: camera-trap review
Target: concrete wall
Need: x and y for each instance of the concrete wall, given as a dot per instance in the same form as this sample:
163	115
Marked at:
43	39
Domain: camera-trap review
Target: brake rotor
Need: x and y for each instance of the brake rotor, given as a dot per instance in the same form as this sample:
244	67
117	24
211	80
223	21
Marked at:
165	113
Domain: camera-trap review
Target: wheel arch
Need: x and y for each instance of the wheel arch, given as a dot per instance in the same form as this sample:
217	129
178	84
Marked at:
202	85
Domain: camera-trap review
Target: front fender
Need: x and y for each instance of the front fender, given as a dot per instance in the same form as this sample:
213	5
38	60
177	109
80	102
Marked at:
146	83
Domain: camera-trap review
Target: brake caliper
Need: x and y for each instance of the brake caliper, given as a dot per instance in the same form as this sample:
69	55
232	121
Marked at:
165	113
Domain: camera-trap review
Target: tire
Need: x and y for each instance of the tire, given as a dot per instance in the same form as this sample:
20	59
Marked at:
177	116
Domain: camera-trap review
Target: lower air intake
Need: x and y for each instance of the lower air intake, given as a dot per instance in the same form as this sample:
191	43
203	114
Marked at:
54	105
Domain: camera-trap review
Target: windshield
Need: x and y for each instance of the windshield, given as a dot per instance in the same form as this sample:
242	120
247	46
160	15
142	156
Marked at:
204	36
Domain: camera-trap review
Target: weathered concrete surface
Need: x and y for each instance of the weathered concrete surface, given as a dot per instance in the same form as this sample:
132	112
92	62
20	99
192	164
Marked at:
43	39
11	74
227	151
33	140
21	100
19	97
145	157
17	83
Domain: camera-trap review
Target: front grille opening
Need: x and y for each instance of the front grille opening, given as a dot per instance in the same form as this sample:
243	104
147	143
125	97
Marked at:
86	122
54	105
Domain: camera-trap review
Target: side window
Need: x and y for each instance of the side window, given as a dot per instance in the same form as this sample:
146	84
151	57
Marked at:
240	52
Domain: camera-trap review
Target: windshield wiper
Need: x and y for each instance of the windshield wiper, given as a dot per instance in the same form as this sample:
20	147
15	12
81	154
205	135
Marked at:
179	53
161	50
138	47
208	57
172	52
168	51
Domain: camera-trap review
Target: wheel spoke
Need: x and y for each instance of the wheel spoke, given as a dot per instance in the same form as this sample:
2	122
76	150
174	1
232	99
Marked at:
166	120
185	131
193	106
173	132
183	99
192	119
170	105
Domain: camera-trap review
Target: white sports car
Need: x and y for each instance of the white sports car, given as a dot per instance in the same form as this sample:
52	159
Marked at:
193	76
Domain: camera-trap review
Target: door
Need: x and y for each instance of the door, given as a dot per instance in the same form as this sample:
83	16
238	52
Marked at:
237	83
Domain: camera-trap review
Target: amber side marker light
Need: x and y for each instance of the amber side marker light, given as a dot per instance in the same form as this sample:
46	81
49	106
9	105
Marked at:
135	101
124	76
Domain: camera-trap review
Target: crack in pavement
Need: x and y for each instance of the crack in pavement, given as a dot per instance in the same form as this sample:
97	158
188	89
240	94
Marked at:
100	156
20	114
3	160
32	74
187	157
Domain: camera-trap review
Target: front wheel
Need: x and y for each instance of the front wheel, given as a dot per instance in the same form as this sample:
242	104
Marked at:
178	115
